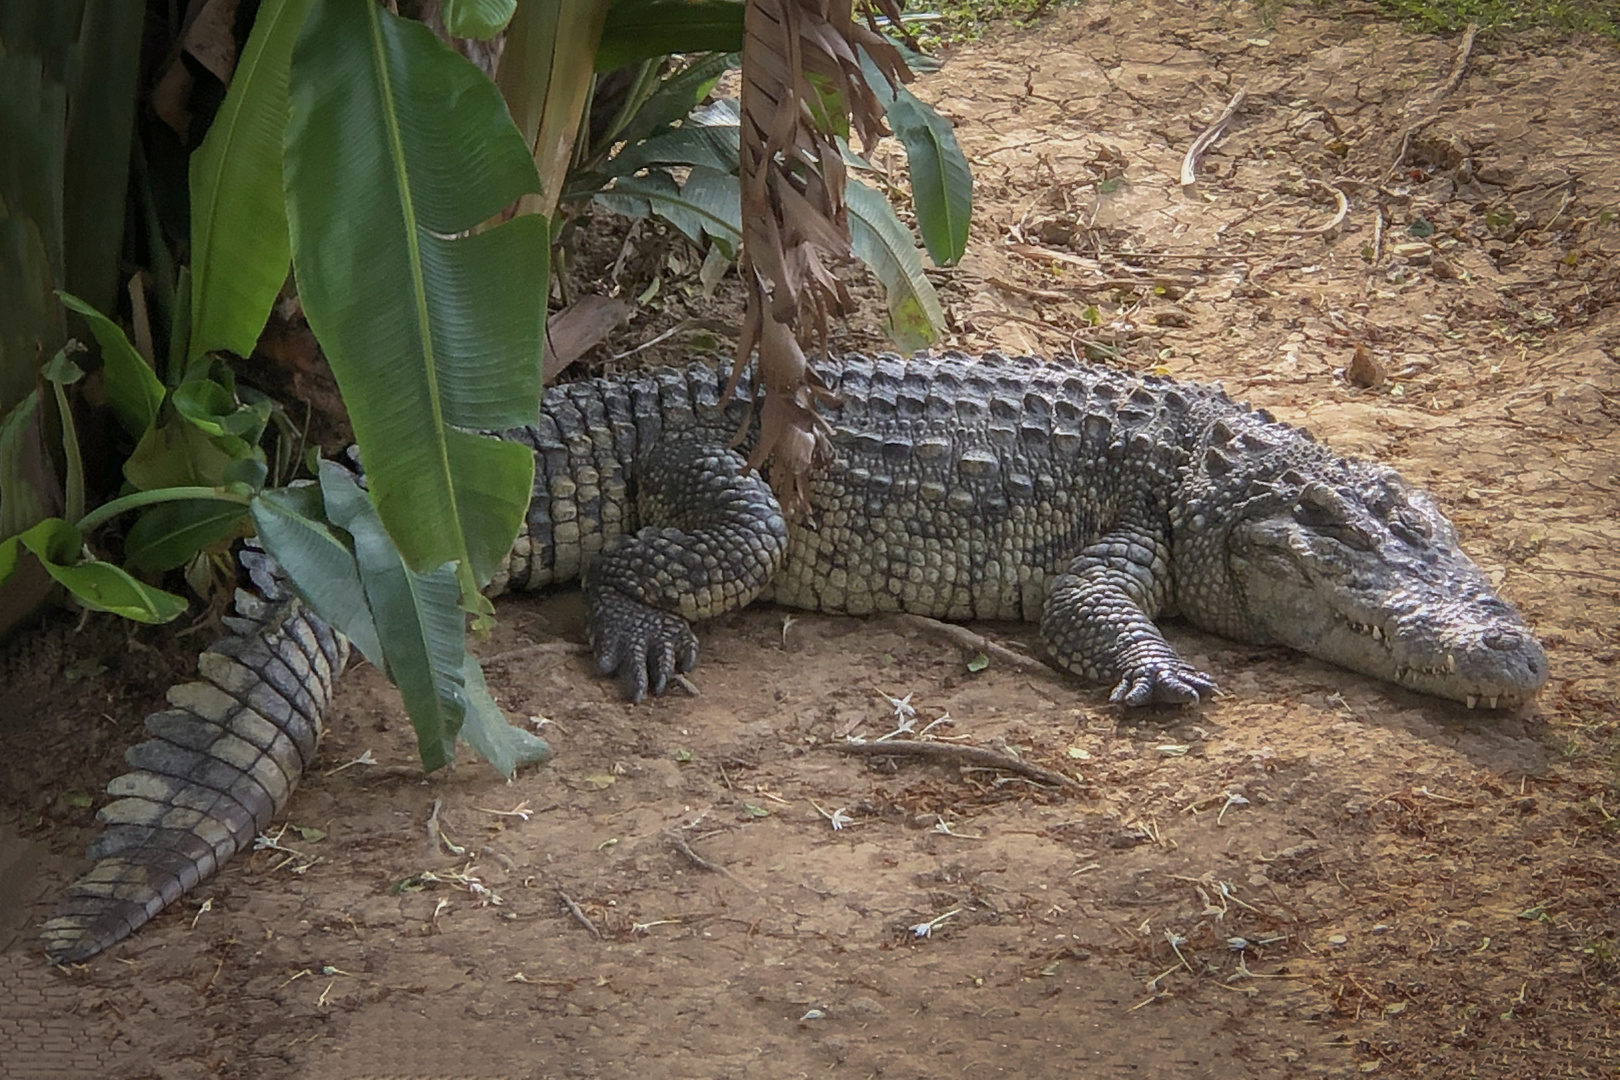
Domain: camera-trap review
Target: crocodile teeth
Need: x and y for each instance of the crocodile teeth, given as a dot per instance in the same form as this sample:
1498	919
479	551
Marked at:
1491	701
1378	635
1451	662
1473	701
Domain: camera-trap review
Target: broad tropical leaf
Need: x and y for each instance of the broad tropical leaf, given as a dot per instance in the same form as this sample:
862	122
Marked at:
709	202
292	524
133	389
170	534
240	252
418	618
480	19
29	490
97	585
676	97
486	730
708	137
398	149
885	244
639	30
941	182
30	317
33	129
101	119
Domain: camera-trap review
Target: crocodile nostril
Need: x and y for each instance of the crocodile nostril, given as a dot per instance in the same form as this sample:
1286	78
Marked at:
1504	639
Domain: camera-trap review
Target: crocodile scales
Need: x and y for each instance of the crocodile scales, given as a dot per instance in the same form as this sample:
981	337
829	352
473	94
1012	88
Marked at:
1086	498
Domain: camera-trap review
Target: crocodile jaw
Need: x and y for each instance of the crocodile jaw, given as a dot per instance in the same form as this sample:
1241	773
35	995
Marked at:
1451	649
1408	608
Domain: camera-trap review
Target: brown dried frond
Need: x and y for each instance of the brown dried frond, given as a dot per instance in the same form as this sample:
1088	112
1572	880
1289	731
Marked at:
798	55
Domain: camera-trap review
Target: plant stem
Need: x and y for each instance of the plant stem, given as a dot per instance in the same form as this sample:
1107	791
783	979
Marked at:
74	492
135	500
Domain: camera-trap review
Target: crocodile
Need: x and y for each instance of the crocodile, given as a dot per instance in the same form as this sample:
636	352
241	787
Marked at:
1091	500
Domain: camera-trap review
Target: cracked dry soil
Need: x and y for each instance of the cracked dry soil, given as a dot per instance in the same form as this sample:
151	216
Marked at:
1421	890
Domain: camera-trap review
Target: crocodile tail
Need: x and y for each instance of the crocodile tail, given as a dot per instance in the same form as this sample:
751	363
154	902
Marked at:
221	763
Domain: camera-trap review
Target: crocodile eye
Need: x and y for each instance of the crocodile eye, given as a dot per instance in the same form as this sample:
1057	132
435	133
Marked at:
1329	513
1410	526
1381	500
1319	506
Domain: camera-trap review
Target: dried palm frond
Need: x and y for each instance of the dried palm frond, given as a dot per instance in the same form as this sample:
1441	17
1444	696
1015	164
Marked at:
801	75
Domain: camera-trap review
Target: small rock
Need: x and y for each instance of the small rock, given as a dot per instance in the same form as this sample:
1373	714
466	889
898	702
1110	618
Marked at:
1364	370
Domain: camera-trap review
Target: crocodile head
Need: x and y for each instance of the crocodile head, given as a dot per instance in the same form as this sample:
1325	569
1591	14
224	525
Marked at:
1343	560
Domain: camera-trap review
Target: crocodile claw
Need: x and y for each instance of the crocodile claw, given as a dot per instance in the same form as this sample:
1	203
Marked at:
642	647
1179	684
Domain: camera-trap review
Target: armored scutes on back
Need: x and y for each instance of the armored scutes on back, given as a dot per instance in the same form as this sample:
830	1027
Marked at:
1092	500
1087	498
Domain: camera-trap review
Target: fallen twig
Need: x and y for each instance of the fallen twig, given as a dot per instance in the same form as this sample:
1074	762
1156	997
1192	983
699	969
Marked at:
697	860
1189	164
1025	290
1458	66
579	913
1319	230
959	755
538	648
966	638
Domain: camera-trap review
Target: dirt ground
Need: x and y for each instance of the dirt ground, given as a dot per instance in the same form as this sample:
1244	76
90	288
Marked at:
1315	875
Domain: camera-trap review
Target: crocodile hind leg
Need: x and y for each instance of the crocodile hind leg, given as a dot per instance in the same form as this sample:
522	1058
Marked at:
713	536
1098	622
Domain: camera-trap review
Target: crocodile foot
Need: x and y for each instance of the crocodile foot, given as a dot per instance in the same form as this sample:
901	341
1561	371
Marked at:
1163	683
641	647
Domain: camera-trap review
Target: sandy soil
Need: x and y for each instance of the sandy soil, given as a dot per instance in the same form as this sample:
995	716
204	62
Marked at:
1418	890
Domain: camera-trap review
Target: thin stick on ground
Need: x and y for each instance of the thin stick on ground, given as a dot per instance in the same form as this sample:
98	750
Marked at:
1464	50
958	755
579	913
966	638
680	845
1342	211
539	648
1189	164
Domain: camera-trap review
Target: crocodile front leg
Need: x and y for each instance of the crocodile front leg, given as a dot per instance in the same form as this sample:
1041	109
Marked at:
1098	622
714	536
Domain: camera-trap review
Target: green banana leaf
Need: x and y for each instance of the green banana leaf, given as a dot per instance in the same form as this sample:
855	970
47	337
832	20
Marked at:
710	136
941	182
101	124
292	524
97	585
240	252
480	19
710	202
398	150
883	242
407	624
30	317
170	534
133	389
418	621
29	490
639	30
677	96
